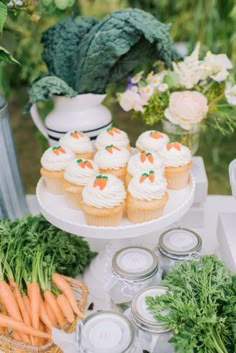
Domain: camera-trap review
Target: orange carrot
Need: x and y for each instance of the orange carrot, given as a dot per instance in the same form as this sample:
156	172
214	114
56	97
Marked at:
27	305
34	296
60	282
51	315
41	341
65	307
75	282
44	315
51	300
6	321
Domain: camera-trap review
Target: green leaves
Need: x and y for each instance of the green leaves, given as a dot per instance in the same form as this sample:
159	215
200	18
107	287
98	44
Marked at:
3	15
5	56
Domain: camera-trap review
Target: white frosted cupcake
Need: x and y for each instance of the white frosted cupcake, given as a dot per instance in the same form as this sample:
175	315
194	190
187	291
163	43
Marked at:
113	160
141	162
54	161
103	200
178	160
112	136
76	176
79	143
152	141
147	197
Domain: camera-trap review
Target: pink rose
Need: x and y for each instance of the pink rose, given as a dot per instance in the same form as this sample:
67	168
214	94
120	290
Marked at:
186	108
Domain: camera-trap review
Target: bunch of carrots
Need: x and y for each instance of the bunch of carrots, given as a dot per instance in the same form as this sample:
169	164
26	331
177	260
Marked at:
34	298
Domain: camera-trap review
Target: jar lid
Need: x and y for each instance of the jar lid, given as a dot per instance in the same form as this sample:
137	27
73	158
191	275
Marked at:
135	263
178	243
106	332
142	316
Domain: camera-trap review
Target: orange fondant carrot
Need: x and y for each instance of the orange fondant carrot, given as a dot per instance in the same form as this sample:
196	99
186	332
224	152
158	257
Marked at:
151	176
156	135
143	177
88	164
150	157
143	156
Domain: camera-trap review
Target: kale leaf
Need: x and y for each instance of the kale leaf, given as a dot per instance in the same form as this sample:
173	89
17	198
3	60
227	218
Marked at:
60	45
117	44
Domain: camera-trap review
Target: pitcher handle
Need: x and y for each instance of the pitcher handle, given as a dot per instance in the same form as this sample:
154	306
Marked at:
38	121
232	176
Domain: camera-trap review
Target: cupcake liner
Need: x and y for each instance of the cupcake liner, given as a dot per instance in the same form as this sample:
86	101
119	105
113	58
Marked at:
85	155
53	180
128	177
139	211
119	173
73	194
103	217
177	177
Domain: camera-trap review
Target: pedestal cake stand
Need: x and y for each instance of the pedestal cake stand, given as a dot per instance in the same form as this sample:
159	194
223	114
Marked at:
110	239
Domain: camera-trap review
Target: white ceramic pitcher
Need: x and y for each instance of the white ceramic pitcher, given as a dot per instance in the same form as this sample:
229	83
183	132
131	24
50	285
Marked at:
84	112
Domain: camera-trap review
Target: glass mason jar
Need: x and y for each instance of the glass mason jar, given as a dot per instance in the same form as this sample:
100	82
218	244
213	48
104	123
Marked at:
176	245
133	268
107	332
153	336
189	138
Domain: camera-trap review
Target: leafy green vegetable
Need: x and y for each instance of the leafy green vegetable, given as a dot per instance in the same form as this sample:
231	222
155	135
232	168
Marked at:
43	88
117	44
61	42
70	254
200	307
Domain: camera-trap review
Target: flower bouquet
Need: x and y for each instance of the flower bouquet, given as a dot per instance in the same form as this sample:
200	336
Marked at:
194	92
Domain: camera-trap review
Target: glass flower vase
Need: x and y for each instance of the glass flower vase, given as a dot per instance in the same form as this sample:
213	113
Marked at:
189	138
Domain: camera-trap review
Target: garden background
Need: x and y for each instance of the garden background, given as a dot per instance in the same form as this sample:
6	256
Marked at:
212	22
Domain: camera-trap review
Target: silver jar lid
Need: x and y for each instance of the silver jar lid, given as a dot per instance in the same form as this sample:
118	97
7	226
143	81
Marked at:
135	263
106	332
180	243
142	316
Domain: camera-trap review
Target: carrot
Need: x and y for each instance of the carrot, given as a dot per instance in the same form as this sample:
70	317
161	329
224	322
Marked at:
60	282
51	300
44	315
75	282
6	321
41	341
51	315
27	304
34	296
65	307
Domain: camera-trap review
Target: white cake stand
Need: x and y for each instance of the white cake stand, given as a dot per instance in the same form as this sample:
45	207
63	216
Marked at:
110	239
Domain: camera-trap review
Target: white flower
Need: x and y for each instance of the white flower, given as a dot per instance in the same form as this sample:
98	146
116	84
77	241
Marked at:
150	75
157	79
146	91
136	78
131	100
163	87
230	94
191	70
217	66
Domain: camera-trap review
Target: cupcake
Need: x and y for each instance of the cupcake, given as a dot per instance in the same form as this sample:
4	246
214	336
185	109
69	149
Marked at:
54	161
177	160
113	160
103	200
78	143
141	162
76	176
112	136
152	141
147	196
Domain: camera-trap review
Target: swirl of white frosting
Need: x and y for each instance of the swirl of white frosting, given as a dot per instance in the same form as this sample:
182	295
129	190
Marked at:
117	158
55	161
113	194
147	190
148	143
136	166
173	157
118	138
79	171
77	142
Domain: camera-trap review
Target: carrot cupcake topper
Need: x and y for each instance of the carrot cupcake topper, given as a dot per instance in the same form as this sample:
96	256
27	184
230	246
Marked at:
76	134
146	155
84	163
113	130
175	145
110	148
100	181
156	135
150	176
58	149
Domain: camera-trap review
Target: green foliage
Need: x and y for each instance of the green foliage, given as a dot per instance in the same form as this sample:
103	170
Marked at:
3	15
43	88
108	53
199	306
5	56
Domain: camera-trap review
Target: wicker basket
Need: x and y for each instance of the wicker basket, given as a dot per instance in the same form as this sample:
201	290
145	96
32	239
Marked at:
10	345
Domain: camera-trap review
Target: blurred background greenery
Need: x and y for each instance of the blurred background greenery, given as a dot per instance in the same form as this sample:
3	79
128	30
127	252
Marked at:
213	22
